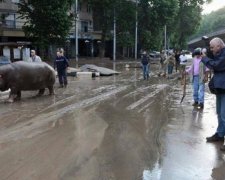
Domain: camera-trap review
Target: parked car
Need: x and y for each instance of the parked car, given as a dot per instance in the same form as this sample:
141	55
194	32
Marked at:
154	55
4	60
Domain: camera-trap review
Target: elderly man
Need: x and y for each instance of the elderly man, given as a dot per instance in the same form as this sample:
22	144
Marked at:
34	57
217	64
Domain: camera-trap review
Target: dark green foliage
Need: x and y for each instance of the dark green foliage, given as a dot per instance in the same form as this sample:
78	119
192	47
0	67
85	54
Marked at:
187	21
153	16
47	21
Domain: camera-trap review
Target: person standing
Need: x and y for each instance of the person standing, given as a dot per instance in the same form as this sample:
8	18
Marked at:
217	64
145	65
183	61
163	65
177	57
34	57
199	74
170	62
61	64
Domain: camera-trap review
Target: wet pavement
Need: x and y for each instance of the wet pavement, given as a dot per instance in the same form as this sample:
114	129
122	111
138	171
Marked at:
110	128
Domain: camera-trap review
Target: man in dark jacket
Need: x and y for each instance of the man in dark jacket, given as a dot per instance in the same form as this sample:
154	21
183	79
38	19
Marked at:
145	65
217	64
61	64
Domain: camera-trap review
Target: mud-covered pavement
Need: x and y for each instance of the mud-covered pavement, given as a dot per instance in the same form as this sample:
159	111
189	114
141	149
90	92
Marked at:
110	128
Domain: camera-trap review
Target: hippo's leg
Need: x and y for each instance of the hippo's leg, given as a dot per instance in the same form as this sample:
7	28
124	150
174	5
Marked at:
41	92
51	90
12	96
18	97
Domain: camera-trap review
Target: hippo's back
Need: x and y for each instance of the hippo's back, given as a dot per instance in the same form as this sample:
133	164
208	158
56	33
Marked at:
31	76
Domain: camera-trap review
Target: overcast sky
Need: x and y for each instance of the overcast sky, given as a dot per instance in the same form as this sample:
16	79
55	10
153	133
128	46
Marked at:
213	6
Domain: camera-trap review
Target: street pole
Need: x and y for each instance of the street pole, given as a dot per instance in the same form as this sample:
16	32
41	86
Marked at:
136	29
165	38
76	31
114	36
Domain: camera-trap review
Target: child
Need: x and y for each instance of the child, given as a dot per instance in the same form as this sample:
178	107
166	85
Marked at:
200	76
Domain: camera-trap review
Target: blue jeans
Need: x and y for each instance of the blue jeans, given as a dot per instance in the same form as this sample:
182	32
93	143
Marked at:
220	109
199	90
170	69
145	69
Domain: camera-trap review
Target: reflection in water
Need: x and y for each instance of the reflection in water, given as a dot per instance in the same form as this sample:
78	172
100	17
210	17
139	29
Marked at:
154	174
196	115
114	68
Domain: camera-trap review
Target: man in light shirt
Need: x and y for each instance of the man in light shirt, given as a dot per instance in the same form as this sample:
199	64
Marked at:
34	57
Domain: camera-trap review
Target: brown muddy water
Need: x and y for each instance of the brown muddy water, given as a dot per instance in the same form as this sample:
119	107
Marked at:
110	128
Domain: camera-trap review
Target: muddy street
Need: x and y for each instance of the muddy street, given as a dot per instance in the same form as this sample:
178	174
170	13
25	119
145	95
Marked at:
110	128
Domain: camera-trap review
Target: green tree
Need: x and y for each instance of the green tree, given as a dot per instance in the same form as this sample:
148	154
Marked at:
47	21
153	16
187	21
211	22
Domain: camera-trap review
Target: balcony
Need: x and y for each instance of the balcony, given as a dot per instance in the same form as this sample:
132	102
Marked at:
11	28
11	24
8	6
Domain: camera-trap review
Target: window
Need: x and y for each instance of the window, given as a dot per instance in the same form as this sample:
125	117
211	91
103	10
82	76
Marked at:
79	6
88	8
84	26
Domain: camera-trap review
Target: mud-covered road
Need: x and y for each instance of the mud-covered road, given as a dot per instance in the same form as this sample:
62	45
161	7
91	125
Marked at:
109	128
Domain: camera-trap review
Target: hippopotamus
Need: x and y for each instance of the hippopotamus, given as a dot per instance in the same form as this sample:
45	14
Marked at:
26	76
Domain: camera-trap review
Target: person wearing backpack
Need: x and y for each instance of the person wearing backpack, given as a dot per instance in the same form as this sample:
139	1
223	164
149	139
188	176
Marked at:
145	65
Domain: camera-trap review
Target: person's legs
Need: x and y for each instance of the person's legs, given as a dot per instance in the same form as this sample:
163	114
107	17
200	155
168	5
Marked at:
147	70
143	68
60	76
201	93
195	88
65	78
220	108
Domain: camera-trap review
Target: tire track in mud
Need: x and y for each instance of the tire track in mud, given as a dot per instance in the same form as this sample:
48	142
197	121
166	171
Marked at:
38	124
141	101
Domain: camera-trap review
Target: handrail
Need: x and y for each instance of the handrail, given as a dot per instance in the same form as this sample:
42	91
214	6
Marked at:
11	24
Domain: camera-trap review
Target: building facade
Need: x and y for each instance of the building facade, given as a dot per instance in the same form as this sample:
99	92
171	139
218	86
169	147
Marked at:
16	46
88	39
11	35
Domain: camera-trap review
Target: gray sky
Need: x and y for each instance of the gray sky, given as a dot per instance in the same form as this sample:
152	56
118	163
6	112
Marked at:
213	6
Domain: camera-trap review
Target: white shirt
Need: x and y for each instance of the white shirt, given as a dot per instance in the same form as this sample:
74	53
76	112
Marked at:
35	59
183	59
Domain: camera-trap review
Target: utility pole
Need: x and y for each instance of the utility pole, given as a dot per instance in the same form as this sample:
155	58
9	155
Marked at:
114	36
165	38
136	29
76	31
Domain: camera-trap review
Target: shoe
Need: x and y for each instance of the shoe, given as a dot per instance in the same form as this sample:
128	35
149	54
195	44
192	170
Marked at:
61	86
195	104
214	138
222	148
201	106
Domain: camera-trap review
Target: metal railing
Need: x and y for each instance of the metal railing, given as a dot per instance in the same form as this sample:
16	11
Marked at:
11	24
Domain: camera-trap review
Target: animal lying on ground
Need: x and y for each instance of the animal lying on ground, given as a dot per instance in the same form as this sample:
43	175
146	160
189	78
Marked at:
26	76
